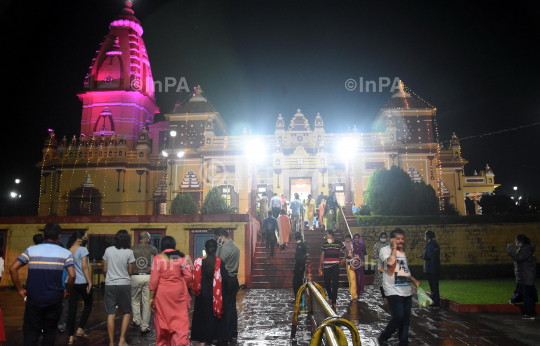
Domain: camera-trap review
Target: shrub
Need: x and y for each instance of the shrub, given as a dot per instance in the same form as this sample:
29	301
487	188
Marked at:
371	221
183	204
215	204
392	192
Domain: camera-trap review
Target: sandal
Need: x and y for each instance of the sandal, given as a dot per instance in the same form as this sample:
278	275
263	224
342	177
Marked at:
83	335
72	342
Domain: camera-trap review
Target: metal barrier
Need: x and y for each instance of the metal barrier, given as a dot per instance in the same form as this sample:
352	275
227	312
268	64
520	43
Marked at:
324	321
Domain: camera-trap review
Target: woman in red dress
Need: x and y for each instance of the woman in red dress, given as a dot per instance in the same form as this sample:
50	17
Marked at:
169	296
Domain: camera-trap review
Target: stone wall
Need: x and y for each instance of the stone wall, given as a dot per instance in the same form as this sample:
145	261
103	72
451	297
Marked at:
460	244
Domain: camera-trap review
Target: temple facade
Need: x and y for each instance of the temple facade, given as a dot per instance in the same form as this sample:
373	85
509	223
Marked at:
125	163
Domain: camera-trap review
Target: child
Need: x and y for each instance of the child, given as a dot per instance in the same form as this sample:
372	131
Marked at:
302	253
348	250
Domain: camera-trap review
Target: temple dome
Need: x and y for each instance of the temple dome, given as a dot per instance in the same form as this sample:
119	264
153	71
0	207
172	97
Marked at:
122	60
299	122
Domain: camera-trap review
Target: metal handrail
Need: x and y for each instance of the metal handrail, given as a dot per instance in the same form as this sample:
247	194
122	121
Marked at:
333	337
345	220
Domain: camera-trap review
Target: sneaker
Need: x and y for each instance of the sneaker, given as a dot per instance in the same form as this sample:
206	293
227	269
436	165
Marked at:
527	317
511	302
381	342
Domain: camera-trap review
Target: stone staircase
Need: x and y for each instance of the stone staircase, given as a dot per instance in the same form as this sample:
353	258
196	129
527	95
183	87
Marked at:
277	272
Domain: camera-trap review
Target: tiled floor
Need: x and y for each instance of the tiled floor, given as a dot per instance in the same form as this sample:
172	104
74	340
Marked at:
265	317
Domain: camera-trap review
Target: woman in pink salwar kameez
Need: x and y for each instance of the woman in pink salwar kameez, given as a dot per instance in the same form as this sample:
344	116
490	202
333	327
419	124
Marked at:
169	296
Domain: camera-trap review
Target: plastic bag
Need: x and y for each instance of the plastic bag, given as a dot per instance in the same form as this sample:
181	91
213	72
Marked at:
423	299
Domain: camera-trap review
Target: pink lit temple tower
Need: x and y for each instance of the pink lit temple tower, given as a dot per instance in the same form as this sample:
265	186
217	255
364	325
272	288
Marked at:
118	95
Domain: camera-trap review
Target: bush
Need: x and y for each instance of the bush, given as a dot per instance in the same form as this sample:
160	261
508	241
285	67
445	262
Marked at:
372	221
392	192
215	204
364	210
183	204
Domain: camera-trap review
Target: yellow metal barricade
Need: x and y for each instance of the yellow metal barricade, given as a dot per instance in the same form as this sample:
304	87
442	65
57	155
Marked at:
324	320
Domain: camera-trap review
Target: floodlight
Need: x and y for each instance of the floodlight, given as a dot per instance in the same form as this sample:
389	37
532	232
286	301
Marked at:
254	149
164	153
173	133
13	194
515	188
180	154
17	181
346	147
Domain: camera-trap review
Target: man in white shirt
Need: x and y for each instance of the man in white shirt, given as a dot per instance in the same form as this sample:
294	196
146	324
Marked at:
275	205
398	292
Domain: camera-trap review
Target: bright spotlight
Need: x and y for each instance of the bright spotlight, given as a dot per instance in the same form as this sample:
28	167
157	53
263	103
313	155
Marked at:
180	154
164	153
173	133
346	147
13	194
515	188
254	150
17	181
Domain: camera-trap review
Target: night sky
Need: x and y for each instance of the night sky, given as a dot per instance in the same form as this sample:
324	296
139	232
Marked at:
474	61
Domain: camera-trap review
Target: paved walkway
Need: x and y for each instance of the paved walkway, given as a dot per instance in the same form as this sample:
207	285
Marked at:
265	317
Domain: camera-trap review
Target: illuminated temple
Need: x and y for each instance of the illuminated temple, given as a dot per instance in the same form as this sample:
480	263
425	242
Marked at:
125	163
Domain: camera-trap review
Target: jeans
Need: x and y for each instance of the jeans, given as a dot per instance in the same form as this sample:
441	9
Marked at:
528	295
79	290
298	278
400	308
271	242
434	287
41	320
230	303
140	292
331	281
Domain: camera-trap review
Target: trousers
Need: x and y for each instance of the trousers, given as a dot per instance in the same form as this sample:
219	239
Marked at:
331	281
140	293
76	291
434	287
41	321
230	301
400	308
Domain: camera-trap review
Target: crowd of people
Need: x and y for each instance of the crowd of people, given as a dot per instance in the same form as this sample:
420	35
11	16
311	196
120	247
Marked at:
139	281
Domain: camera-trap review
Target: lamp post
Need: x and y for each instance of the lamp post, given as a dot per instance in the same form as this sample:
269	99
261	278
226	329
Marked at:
171	161
347	149
515	194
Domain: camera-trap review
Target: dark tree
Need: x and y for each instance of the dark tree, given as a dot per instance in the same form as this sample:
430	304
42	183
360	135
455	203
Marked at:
392	192
183	204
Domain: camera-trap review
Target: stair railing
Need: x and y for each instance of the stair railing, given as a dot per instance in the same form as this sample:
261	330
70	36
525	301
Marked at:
344	222
323	319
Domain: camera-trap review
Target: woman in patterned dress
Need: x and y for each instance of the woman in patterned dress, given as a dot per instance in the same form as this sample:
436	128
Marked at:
378	280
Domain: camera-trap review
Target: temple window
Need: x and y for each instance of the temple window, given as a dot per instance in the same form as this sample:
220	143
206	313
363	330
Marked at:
278	162
120	153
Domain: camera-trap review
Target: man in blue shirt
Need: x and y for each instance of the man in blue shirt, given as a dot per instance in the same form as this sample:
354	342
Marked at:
297	210
270	226
44	290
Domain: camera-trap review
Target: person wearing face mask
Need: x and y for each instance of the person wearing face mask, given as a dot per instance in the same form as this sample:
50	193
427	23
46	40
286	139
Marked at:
330	250
230	254
82	287
378	279
525	270
432	265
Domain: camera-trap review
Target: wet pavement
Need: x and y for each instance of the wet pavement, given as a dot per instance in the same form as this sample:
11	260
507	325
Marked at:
265	317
